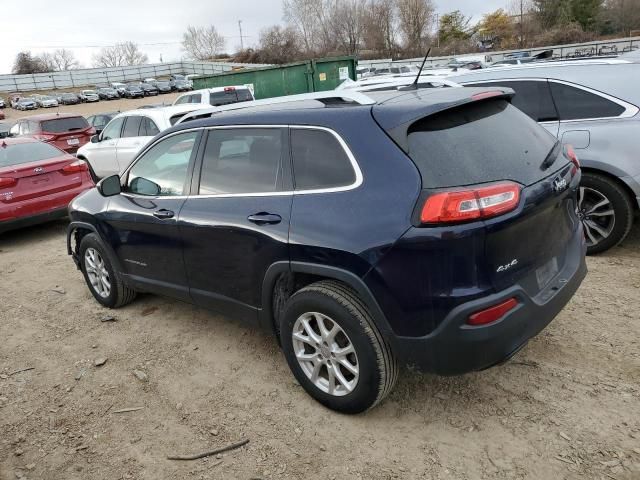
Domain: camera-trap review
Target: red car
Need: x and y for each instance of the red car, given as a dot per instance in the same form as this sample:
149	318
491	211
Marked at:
66	131
37	182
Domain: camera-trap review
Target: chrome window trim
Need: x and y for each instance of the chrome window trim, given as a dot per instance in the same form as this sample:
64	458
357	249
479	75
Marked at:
354	164
630	109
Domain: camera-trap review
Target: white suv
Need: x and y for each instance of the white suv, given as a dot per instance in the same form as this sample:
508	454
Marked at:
125	135
215	97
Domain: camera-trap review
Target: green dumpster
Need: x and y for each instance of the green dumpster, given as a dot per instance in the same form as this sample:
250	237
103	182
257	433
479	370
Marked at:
315	75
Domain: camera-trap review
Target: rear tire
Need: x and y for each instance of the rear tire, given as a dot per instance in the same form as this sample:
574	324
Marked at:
329	338
606	212
104	282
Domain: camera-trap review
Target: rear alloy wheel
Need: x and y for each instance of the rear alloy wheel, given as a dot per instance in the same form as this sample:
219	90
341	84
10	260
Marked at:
334	349
605	211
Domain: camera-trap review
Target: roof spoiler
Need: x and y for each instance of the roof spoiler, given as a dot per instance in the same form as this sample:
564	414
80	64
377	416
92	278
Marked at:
399	133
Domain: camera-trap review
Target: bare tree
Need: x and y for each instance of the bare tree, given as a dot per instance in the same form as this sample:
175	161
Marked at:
25	63
47	61
65	60
315	22
119	55
416	18
279	45
381	27
349	19
203	43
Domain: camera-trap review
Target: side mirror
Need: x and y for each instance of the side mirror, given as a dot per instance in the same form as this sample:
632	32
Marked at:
110	186
96	138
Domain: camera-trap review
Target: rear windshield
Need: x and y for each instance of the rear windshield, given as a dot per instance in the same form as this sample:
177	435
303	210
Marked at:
27	152
63	125
479	142
229	96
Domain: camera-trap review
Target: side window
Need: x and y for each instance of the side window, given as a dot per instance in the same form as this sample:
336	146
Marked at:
24	128
184	99
113	129
15	130
576	104
196	98
131	127
148	128
243	160
162	170
533	98
319	161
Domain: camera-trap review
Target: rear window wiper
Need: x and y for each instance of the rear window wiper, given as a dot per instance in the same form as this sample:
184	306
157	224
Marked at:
551	158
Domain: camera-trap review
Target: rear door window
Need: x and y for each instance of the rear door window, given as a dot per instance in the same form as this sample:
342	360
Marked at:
577	104
132	127
319	161
64	125
467	145
148	128
532	97
243	160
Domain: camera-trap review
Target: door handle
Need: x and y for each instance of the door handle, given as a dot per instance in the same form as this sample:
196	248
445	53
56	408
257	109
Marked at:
163	214
264	218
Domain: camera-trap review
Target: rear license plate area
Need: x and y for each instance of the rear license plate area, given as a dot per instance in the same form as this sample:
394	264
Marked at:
73	141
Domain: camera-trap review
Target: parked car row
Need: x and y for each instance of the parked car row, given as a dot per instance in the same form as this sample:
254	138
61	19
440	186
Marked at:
114	91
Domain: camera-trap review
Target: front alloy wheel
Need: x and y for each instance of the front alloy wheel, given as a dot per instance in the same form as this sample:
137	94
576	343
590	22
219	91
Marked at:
97	272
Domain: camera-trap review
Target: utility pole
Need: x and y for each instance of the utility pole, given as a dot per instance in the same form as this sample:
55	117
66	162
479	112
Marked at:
241	39
438	29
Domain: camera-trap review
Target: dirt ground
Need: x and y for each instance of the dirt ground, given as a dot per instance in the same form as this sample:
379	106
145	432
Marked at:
566	407
87	109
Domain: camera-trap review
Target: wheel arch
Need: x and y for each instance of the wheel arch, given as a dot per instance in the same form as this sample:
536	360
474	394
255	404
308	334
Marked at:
618	181
285	278
77	231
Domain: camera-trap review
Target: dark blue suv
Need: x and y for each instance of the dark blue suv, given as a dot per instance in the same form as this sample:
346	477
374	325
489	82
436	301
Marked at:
434	228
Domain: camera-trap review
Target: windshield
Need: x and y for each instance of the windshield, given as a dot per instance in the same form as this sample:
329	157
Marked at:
27	152
63	125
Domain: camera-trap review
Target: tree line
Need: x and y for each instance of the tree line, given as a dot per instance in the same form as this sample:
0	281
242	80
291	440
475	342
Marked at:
383	29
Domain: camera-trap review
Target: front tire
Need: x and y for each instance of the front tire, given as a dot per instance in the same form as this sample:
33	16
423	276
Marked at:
605	210
334	349
103	280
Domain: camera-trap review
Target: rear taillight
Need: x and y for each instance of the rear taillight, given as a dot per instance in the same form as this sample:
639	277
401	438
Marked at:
471	204
570	153
492	314
6	182
76	167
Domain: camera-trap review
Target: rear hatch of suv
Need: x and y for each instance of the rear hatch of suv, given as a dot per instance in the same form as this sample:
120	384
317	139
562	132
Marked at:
66	133
486	164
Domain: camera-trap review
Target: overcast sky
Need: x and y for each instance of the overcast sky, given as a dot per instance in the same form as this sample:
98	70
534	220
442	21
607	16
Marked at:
156	25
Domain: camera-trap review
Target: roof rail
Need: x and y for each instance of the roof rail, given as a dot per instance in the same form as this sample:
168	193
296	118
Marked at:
349	96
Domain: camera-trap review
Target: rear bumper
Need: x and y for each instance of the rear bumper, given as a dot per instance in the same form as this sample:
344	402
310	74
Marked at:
17	223
456	348
38	210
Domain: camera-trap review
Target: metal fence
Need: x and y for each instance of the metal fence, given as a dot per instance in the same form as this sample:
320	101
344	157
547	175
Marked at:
576	50
104	76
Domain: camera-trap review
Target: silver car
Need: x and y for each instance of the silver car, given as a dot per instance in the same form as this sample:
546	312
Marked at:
594	107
